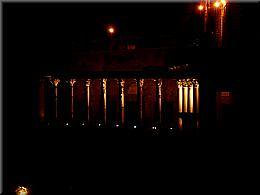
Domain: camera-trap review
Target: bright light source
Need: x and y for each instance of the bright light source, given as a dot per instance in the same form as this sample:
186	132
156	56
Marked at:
200	7
171	128
111	30
67	124
217	4
83	124
135	127
117	125
22	190
153	127
99	124
223	2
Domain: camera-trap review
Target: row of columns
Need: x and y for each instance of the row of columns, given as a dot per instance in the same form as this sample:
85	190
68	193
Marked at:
188	95
121	82
188	90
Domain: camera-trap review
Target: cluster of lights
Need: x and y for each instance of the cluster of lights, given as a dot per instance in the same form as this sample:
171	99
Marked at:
22	190
188	82
216	4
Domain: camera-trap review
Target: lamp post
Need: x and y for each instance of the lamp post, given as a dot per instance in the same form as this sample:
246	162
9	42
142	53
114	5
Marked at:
111	31
219	7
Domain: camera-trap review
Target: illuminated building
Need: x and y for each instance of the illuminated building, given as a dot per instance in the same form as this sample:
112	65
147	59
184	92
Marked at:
121	85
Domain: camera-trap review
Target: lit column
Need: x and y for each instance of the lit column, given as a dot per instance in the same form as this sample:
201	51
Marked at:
191	105
122	100
104	87
197	96
185	96
56	82
180	95
140	98
88	97
159	87
72	82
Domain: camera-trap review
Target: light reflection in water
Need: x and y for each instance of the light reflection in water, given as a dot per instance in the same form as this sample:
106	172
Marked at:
180	123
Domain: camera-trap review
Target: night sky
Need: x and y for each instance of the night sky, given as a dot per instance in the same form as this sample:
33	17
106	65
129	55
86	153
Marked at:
47	33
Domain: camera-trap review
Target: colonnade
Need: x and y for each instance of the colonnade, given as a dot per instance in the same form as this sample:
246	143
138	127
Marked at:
188	97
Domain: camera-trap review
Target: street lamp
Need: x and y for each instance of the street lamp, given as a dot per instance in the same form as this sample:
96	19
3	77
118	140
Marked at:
220	9
223	2
111	30
200	7
217	4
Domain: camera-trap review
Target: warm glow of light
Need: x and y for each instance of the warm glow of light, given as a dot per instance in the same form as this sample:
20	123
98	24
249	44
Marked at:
185	99
180	124
200	7
217	4
223	2
22	191
180	97
111	30
191	99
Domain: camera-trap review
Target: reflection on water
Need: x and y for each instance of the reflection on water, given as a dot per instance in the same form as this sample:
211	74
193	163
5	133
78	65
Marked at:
180	125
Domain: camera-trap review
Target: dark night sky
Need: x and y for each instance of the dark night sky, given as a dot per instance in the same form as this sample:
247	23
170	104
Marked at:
52	28
48	31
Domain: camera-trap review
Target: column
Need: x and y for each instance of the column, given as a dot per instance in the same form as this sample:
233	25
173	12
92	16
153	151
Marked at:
140	98
159	96
88	99
72	82
191	104
180	92
122	101
56	82
104	87
185	96
197	96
